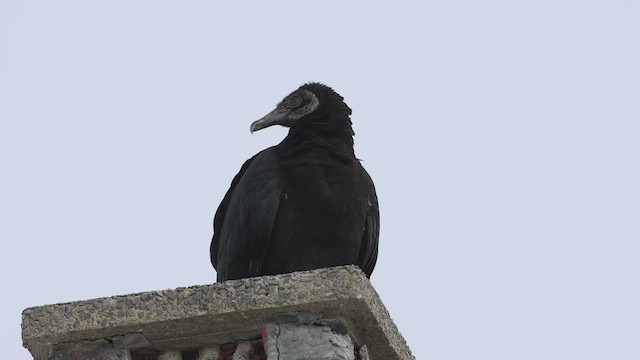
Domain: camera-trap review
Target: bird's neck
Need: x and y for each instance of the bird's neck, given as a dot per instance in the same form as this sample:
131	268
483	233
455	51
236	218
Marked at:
334	139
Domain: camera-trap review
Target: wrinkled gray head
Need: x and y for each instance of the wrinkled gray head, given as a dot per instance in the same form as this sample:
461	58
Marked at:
293	107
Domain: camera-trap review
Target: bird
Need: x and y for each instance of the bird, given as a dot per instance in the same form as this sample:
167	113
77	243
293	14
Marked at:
303	204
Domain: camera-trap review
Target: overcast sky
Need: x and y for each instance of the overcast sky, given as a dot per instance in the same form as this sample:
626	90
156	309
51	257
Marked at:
503	138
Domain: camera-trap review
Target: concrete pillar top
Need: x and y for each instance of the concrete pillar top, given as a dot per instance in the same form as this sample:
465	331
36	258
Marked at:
199	316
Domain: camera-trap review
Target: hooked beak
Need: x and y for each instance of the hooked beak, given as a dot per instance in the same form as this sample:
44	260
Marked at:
276	117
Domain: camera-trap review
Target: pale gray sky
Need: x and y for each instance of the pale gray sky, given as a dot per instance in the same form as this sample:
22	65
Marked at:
503	138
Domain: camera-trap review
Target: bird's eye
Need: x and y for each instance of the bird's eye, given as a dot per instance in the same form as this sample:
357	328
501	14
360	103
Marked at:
291	102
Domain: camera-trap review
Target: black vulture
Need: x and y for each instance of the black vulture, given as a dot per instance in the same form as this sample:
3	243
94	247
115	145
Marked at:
304	204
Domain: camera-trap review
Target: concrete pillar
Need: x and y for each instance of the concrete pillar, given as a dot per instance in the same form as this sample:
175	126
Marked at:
329	313
295	341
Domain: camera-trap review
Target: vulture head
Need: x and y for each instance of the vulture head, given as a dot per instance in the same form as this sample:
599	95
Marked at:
310	99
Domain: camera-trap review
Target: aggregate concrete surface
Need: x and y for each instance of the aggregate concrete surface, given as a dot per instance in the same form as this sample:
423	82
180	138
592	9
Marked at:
233	310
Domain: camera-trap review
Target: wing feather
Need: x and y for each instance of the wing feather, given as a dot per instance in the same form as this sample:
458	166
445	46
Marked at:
369	249
247	219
